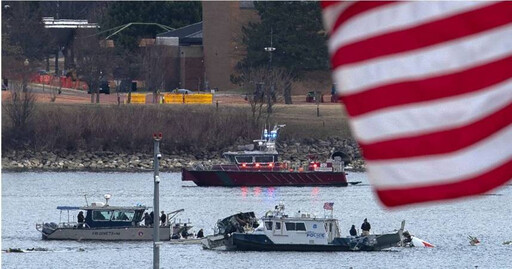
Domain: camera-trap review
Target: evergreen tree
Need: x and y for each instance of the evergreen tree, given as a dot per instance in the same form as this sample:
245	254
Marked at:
297	35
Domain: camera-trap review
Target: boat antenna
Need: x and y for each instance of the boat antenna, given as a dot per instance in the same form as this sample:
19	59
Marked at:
86	202
107	197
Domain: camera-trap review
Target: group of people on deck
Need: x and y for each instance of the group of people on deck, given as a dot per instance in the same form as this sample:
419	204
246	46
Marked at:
149	217
148	222
365	227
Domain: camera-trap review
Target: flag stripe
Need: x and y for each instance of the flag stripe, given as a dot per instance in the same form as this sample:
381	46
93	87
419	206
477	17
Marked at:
431	61
432	116
472	79
471	161
440	142
446	29
331	14
471	186
428	90
356	9
326	5
395	17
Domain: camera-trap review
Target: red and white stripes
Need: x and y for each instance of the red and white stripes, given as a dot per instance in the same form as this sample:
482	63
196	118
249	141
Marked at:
428	88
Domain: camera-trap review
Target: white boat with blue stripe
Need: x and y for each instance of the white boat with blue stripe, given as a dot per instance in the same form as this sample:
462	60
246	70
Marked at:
303	232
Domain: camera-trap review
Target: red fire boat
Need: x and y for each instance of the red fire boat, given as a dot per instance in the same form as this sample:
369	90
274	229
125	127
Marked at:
262	168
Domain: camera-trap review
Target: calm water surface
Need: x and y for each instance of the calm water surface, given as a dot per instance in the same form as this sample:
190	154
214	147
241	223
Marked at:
29	198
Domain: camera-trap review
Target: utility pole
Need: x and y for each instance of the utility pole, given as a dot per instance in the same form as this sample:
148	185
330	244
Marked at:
156	202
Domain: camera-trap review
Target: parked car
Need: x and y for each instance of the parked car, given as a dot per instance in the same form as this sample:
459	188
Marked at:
183	91
104	88
311	97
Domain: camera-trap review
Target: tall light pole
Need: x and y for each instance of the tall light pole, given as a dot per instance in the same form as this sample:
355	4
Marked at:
26	74
156	201
270	50
271	84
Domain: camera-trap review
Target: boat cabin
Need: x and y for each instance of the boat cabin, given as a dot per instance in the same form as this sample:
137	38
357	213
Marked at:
254	160
302	228
100	215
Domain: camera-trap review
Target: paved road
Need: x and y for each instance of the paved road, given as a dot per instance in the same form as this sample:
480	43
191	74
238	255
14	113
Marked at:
45	94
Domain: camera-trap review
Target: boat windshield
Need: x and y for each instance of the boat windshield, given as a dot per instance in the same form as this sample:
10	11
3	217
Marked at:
123	215
243	159
101	215
114	215
264	159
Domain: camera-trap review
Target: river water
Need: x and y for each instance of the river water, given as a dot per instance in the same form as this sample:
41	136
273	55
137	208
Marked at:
29	198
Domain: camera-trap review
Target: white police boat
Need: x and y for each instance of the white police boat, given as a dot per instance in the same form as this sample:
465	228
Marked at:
304	232
109	223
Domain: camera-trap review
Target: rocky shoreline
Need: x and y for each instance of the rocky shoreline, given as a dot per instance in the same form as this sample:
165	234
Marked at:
295	152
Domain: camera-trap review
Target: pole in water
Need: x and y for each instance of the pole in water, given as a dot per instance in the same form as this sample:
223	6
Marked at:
156	201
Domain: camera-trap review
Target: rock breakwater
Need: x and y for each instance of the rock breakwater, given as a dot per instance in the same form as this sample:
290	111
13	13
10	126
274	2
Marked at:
297	152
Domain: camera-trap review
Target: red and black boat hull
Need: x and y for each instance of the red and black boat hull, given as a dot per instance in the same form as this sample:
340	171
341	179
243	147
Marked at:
263	178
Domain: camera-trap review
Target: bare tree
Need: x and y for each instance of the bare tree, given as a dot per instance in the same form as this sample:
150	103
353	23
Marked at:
155	65
127	68
252	81
264	88
92	61
20	106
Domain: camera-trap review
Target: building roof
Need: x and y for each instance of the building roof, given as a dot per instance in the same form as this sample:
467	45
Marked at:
188	35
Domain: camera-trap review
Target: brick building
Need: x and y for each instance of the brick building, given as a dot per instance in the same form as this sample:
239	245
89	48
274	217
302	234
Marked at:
222	39
204	54
185	50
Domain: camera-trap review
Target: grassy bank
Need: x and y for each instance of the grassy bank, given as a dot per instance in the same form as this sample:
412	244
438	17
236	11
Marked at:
128	128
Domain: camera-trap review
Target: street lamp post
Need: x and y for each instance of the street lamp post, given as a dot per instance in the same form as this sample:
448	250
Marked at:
270	50
271	84
25	73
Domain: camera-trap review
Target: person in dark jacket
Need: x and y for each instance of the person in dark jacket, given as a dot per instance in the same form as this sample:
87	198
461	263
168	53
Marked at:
353	231
200	234
147	219
81	219
163	219
366	227
184	233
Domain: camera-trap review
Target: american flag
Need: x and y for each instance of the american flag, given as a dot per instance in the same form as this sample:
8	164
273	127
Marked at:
328	206
428	89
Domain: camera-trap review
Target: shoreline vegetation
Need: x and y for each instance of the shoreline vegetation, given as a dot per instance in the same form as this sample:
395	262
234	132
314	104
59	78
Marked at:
110	138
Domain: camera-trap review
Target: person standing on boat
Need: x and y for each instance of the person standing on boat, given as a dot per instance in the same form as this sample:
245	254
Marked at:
184	232
152	217
366	227
200	234
353	231
81	219
147	219
163	219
